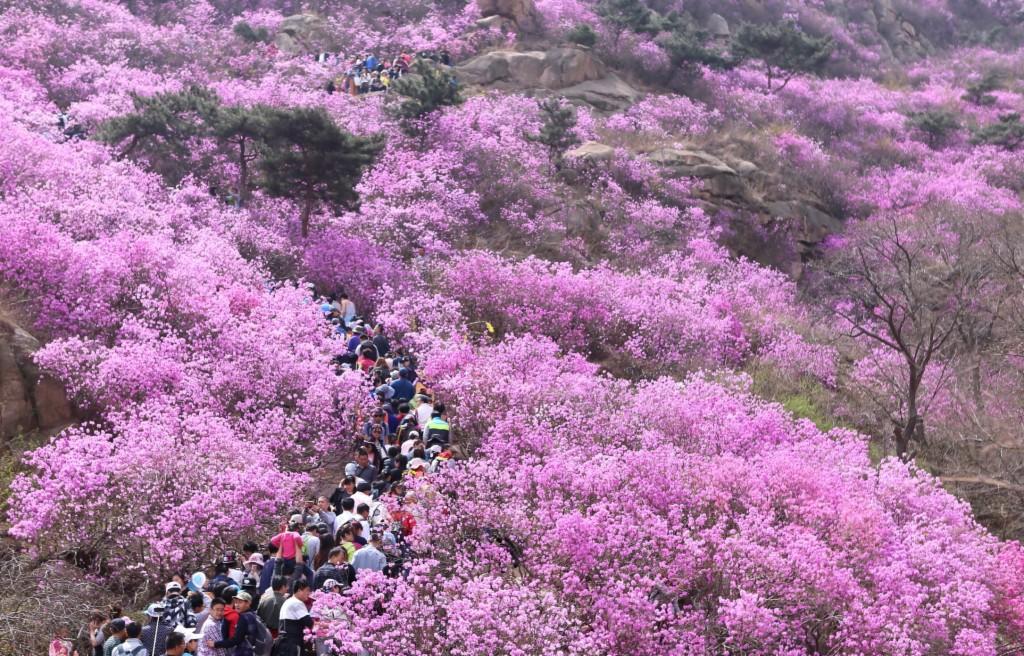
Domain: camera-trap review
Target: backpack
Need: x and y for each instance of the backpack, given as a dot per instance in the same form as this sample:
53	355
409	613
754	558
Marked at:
259	636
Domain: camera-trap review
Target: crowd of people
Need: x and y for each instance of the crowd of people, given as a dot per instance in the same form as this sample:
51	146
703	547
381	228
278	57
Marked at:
257	601
366	73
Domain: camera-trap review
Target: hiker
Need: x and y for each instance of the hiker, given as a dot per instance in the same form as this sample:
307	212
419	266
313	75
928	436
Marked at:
311	541
177	609
404	389
132	645
269	609
371	557
270	568
327	516
346	487
211	633
245	629
361	468
295	620
437	429
175	644
118	634
154	635
289	543
335	568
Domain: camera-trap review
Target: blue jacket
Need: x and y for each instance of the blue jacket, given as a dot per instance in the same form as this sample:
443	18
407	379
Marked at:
404	390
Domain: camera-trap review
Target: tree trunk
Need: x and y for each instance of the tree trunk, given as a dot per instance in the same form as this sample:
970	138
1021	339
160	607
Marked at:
906	435
307	210
243	175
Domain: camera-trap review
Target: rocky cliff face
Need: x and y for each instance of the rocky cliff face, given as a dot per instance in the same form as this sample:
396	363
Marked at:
29	401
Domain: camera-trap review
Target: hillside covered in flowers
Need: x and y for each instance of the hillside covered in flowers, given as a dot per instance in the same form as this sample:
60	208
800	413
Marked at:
724	300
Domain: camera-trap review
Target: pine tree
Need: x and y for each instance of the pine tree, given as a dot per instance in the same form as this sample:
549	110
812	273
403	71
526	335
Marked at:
583	35
308	158
240	130
1007	132
785	51
162	129
686	47
979	93
428	88
557	130
247	32
631	15
936	124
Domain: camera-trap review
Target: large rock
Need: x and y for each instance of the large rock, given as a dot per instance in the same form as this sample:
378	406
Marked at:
592	151
522	12
303	33
813	225
28	400
718	27
564	67
555	69
720	179
610	93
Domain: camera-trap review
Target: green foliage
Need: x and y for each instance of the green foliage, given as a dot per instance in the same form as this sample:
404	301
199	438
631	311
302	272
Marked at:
785	51
980	92
936	124
308	158
247	32
557	130
583	35
1007	132
428	88
162	129
632	15
686	47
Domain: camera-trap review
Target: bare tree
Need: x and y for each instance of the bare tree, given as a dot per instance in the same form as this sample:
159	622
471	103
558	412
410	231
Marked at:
911	284
39	600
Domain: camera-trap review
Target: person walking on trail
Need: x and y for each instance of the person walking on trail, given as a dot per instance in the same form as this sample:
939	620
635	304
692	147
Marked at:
132	646
361	468
311	541
177	609
404	390
118	634
241	641
295	620
289	544
336	568
437	430
175	644
154	635
347	309
327	516
269	609
371	556
212	631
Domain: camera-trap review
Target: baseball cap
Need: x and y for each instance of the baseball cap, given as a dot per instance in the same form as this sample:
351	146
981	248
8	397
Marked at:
244	596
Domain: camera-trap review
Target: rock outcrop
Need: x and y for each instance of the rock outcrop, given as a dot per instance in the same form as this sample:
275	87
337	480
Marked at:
28	400
522	13
592	151
303	33
737	185
575	73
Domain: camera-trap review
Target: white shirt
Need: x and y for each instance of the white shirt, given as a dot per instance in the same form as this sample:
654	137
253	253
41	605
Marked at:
423	413
362	497
293	609
343	518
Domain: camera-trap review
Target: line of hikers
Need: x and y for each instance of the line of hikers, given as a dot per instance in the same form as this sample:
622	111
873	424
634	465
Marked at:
365	73
258	602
